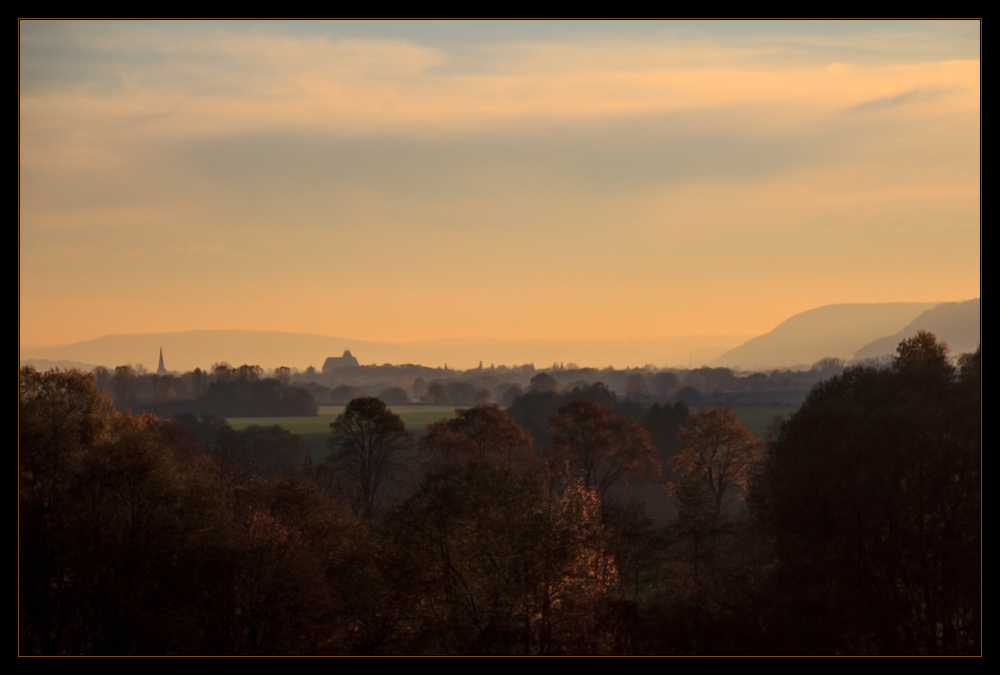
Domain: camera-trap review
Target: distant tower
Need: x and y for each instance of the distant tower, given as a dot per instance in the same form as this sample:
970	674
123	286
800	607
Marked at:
161	370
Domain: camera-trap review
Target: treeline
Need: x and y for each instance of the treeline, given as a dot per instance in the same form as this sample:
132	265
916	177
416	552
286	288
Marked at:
856	529
403	384
246	391
222	391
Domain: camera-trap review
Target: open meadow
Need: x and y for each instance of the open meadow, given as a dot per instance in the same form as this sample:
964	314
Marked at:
754	413
315	430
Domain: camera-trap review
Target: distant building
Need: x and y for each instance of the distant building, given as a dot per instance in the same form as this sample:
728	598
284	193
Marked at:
340	361
160	370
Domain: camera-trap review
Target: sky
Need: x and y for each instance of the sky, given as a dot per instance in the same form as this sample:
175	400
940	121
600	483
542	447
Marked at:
398	181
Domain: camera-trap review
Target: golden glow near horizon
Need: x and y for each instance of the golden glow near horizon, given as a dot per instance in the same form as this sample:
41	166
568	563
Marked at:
395	181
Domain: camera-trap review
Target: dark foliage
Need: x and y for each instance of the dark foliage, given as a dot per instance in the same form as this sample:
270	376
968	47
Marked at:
129	542
873	494
368	443
533	409
262	398
663	422
862	533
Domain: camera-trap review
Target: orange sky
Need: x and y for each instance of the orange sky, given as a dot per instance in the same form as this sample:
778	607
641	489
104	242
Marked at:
399	182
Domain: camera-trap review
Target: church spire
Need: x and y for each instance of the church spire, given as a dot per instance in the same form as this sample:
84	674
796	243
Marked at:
161	370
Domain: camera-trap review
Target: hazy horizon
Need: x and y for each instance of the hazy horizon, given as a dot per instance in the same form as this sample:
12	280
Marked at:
842	331
399	182
185	350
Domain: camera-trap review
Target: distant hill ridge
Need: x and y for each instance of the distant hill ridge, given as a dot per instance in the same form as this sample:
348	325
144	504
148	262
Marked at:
200	348
853	330
846	331
957	323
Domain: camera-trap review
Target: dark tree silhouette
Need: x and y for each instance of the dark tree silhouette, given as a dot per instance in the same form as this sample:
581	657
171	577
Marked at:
461	393
922	351
665	383
437	394
368	441
636	387
543	382
872	491
395	396
663	422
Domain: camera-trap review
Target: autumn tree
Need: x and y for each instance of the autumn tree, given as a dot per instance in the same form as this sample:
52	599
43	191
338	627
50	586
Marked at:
60	415
109	519
601	448
715	460
492	562
717	454
367	441
130	543
479	432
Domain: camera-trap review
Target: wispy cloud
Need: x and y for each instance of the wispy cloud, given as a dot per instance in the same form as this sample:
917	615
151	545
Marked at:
351	159
915	95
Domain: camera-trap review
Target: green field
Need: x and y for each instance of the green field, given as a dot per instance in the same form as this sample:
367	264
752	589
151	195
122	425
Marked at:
758	418
315	430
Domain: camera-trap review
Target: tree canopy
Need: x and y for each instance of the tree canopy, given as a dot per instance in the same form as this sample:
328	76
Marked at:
717	453
601	448
861	535
499	564
479	432
367	442
872	491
